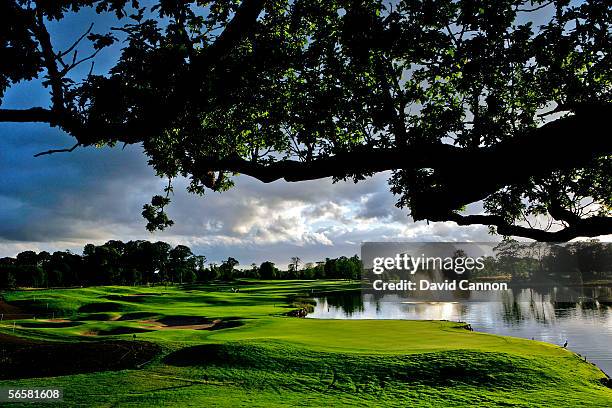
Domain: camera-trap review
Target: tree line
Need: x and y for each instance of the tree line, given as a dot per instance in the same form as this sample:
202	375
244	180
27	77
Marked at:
143	262
575	262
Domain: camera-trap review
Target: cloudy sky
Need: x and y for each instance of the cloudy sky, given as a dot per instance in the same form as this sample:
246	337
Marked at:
65	200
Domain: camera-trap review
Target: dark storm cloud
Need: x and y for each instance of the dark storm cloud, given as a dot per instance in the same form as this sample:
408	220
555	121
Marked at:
48	197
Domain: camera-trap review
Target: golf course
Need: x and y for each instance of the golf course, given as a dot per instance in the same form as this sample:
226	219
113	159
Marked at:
237	345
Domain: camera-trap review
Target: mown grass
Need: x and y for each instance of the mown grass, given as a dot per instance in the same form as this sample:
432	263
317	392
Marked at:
272	360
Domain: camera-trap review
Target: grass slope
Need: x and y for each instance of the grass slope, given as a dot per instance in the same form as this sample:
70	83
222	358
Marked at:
271	360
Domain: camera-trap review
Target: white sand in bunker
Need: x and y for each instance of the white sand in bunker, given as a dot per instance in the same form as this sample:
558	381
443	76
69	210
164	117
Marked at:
181	322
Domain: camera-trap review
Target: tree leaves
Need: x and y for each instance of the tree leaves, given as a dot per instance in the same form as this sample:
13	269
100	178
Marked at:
155	215
206	85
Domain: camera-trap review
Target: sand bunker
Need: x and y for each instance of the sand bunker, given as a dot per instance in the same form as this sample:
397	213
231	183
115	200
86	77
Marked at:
183	322
164	323
191	323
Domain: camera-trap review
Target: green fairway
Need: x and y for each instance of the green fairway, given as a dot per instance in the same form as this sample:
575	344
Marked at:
227	347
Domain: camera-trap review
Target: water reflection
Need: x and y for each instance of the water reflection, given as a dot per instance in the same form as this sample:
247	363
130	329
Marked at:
584	322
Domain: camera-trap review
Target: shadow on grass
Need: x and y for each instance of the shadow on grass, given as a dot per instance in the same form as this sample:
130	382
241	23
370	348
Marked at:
98	317
227	324
102	307
138	315
184	320
448	368
121	330
49	325
24	358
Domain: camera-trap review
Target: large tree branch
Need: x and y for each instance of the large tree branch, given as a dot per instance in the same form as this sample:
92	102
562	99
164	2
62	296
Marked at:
85	133
587	227
239	27
339	165
550	147
558	212
50	61
465	176
53	151
189	90
28	115
567	143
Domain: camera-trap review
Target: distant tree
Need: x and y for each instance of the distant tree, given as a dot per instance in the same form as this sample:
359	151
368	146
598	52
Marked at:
160	253
181	264
538	252
42	258
491	268
561	265
347	268
137	261
200	269
66	269
594	258
458	254
253	272
357	266
104	263
308	272
294	265
29	258
331	268
509	253
210	274
116	246
226	269
267	270
114	262
320	270
28	271
7	273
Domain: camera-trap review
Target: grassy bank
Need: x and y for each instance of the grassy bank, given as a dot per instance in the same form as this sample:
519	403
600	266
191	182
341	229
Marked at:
222	347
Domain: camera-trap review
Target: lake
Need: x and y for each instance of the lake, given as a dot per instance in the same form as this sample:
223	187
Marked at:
586	324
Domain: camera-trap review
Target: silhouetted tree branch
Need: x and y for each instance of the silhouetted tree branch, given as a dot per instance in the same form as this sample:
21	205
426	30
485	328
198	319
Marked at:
462	103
